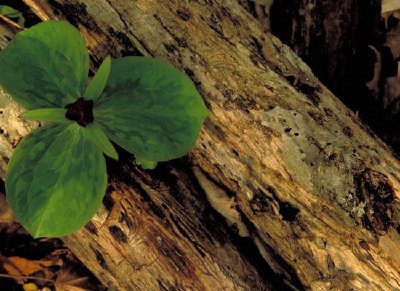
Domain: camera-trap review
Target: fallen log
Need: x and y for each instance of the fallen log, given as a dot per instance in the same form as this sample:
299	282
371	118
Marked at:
285	188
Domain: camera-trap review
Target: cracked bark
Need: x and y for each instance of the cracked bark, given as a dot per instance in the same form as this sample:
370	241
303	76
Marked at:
285	187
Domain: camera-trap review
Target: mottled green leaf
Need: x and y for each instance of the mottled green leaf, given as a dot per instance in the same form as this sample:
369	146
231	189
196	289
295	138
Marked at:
10	12
55	180
95	133
45	66
47	114
151	109
99	81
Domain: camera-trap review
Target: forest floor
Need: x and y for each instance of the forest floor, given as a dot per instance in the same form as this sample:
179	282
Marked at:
38	264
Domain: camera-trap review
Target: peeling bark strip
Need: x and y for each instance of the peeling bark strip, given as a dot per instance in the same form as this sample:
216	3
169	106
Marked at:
291	190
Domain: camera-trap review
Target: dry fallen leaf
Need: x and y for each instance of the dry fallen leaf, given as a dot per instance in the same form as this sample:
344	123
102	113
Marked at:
67	280
390	5
20	267
390	8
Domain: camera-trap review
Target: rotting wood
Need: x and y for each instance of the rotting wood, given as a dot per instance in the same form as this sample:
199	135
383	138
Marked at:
313	194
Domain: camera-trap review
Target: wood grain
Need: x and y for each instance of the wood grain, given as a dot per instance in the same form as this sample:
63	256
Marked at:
285	187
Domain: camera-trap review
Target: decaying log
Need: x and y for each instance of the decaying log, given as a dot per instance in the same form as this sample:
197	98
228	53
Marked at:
285	188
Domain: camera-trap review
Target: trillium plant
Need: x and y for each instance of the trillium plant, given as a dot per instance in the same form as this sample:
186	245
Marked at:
56	178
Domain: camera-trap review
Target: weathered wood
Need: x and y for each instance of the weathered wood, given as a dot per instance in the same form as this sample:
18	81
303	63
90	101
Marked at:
285	184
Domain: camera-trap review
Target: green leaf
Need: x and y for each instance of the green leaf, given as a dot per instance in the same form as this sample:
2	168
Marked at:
45	66
151	109
47	114
99	81
10	12
145	164
95	133
55	180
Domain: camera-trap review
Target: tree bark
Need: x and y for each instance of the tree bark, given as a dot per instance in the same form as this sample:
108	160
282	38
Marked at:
286	189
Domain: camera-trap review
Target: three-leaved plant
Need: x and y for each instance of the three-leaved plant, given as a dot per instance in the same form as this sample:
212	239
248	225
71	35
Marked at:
56	178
